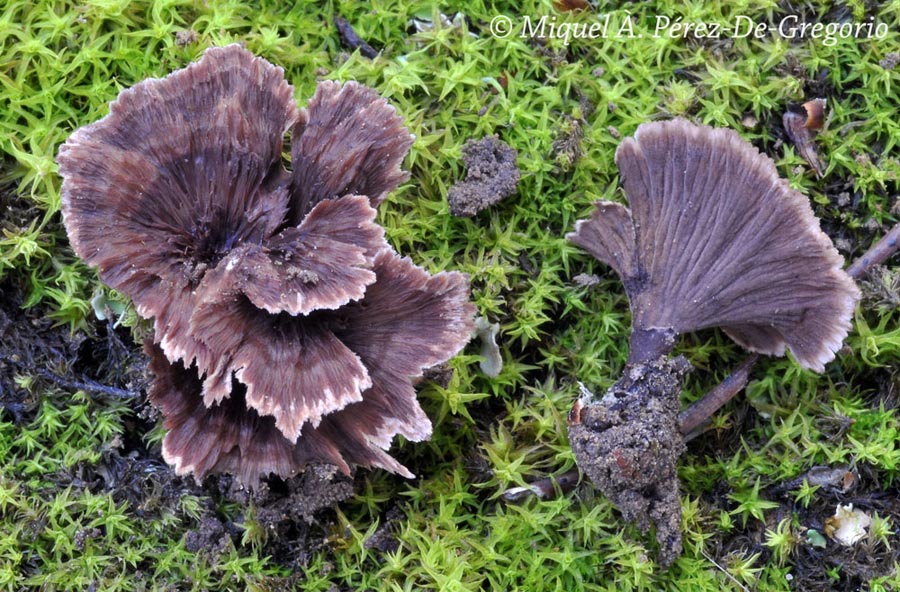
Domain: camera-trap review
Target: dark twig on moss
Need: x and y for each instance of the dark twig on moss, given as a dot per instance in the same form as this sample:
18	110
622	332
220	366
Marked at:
699	411
877	254
544	488
85	384
351	38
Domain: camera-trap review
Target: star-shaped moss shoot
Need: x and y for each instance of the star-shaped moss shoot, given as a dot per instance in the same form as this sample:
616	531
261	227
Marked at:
712	237
287	330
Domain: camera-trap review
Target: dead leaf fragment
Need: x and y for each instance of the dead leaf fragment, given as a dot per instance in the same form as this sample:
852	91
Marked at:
571	5
801	129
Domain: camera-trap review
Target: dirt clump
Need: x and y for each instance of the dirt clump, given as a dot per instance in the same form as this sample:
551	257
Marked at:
28	341
890	61
628	442
293	513
491	175
210	537
297	499
384	538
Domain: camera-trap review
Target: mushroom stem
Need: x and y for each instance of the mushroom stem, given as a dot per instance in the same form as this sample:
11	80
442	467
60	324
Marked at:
702	409
877	254
649	344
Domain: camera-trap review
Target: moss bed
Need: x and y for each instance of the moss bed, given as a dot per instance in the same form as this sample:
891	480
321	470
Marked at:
86	501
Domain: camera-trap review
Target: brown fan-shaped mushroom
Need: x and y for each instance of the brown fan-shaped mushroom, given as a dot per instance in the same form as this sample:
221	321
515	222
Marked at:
289	331
712	237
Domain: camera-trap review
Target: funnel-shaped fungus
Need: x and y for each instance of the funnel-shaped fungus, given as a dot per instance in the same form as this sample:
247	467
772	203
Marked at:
289	331
712	237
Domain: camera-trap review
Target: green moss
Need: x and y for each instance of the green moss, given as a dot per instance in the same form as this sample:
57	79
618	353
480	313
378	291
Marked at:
62	62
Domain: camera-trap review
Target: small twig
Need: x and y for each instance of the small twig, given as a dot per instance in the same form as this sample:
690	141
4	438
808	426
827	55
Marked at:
877	254
544	488
352	40
85	384
702	409
724	571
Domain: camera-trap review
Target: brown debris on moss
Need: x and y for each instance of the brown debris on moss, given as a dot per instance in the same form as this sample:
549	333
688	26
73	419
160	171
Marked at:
571	5
801	128
491	175
567	145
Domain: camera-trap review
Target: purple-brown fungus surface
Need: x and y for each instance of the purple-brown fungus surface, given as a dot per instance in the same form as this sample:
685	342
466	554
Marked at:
711	237
287	330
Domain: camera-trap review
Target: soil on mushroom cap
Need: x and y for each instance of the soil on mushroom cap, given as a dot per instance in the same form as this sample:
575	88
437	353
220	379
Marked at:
628	443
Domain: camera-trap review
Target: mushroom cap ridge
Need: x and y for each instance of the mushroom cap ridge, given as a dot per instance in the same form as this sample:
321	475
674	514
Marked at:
714	237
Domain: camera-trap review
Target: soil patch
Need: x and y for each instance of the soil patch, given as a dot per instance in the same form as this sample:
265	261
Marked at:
491	175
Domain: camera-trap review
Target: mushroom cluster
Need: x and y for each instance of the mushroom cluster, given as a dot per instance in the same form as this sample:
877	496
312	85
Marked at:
712	237
287	330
